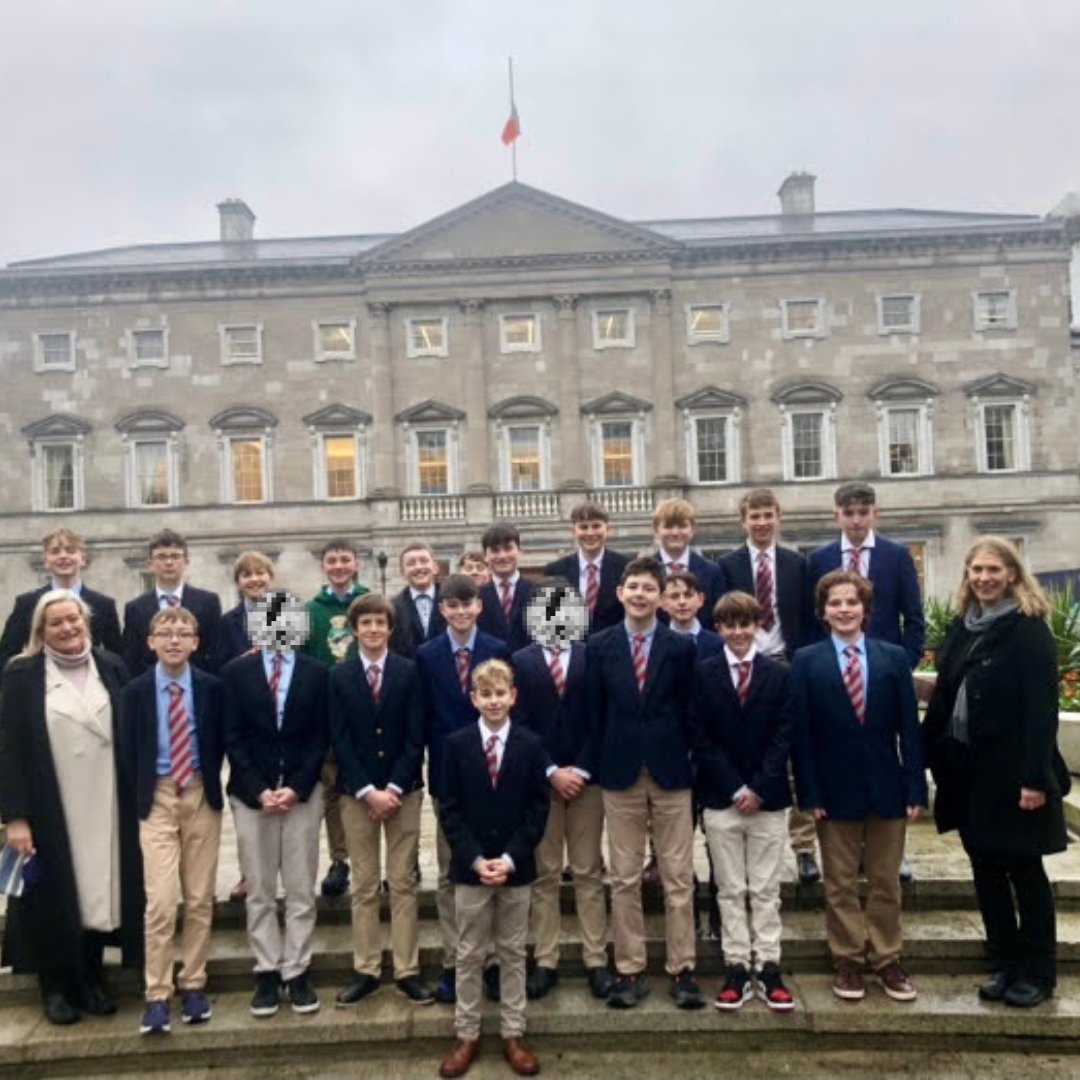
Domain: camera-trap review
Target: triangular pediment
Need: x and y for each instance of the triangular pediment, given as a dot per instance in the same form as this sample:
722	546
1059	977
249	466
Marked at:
711	397
999	385
59	425
615	404
429	412
337	416
516	222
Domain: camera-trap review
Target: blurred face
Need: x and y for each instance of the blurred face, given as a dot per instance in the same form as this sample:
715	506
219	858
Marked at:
168	565
477	570
990	579
64	562
493	701
640	597
254	583
844	612
761	524
372	633
340	567
674	538
418	569
65	628
591	536
503	559
682	603
461	615
856	520
173	643
739	635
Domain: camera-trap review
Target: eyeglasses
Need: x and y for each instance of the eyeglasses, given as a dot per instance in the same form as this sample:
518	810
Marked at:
175	635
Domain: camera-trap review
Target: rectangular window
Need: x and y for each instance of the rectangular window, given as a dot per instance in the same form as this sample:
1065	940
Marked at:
807	450
613	328
903	442
999	437
339	459
995	310
241	344
150	465
524	458
426	337
58	463
519	333
617	453
148	348
55	351
898	314
711	449
247	470
707	322
335	340
803	318
432	462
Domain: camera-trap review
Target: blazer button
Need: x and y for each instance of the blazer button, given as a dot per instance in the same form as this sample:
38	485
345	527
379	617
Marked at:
381	754
378	731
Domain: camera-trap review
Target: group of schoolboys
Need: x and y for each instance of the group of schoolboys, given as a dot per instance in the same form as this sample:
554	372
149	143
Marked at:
533	747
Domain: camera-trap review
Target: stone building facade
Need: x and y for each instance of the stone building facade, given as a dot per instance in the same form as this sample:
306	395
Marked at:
516	353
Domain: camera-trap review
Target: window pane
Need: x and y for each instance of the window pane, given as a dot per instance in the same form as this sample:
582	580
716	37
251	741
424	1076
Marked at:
897	312
802	316
519	331
58	463
617	440
340	451
712	449
524	458
707	321
242	342
999	429
335	339
806	449
149	345
247	470
994	308
432	463
55	350
903	442
427	335
613	325
152	474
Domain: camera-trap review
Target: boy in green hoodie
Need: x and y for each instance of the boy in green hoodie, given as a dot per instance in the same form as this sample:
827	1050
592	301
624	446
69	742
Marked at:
331	641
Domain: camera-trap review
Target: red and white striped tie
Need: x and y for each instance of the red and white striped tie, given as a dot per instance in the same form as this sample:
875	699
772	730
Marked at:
853	683
763	591
640	663
742	687
855	561
675	568
592	586
558	676
375	682
492	755
507	597
463	669
181	765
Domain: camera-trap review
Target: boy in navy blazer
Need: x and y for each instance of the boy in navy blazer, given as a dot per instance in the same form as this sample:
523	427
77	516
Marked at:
674	522
506	596
593	567
859	770
638	678
494	809
682	600
446	664
172	743
168	562
253	573
550	680
276	737
377	728
416	608
743	736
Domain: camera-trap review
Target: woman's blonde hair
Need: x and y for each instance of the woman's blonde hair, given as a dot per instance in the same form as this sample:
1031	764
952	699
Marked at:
1026	591
37	622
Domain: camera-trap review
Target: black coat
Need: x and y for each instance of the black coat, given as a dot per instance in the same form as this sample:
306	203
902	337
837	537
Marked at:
408	633
44	926
1012	697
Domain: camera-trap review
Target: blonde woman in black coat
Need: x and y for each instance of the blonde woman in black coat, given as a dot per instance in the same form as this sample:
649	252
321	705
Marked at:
991	744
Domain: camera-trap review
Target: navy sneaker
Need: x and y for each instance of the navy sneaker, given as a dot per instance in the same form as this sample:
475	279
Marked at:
446	991
627	991
194	1007
155	1019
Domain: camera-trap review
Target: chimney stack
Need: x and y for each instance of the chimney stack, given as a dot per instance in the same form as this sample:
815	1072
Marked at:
237	220
797	194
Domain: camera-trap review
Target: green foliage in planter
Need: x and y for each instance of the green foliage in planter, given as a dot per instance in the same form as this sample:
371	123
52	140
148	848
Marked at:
1064	622
938	614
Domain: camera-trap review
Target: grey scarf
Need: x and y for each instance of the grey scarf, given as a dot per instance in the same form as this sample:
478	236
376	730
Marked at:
977	620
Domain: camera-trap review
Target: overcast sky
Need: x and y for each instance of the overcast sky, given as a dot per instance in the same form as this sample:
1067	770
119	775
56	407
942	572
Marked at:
126	121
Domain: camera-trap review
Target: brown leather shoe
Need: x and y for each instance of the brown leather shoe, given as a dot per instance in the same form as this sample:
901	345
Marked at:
522	1060
463	1054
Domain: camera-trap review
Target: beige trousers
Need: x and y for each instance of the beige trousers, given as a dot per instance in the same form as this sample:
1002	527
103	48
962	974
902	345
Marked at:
179	841
628	814
363	838
800	824
335	831
576	829
444	895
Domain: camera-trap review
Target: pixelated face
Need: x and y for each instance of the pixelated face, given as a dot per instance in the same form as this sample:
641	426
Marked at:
556	616
279	621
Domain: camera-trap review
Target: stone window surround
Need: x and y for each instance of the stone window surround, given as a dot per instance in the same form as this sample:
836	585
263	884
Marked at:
134	360
821	328
980	313
518	347
722	336
227	358
39	350
913	326
412	351
628	340
321	355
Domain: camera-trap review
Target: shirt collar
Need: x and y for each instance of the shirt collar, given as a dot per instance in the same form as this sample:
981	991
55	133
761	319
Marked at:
288	657
429	593
498	582
584	561
683	560
847	545
163	679
840	646
695	629
379	660
732	659
178	592
501	734
470	644
756	551
75	587
648	634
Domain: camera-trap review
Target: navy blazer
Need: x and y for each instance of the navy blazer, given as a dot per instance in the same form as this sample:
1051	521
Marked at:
481	821
139	735
853	770
104	623
738	744
446	708
382	743
233	639
609	611
708	577
562	723
261	756
204	605
632	730
493	619
794	592
896	614
708	643
408	633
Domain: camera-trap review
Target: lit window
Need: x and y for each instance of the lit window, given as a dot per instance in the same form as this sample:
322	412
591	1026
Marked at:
241	344
524	458
148	348
247	470
55	351
151	466
898	314
426	337
707	322
519	333
340	464
432	462
995	310
803	318
335	340
617	453
613	328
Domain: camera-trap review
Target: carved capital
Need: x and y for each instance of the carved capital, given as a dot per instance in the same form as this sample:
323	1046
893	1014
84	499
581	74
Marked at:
661	301
471	306
564	304
379	309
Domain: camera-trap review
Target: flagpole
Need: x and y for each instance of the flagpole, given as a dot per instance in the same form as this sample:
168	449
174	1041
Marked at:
513	145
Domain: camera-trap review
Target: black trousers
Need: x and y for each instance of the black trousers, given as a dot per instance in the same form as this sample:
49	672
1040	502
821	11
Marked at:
1017	906
84	970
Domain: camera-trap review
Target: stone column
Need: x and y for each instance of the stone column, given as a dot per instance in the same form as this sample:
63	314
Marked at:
571	463
478	471
386	483
661	452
